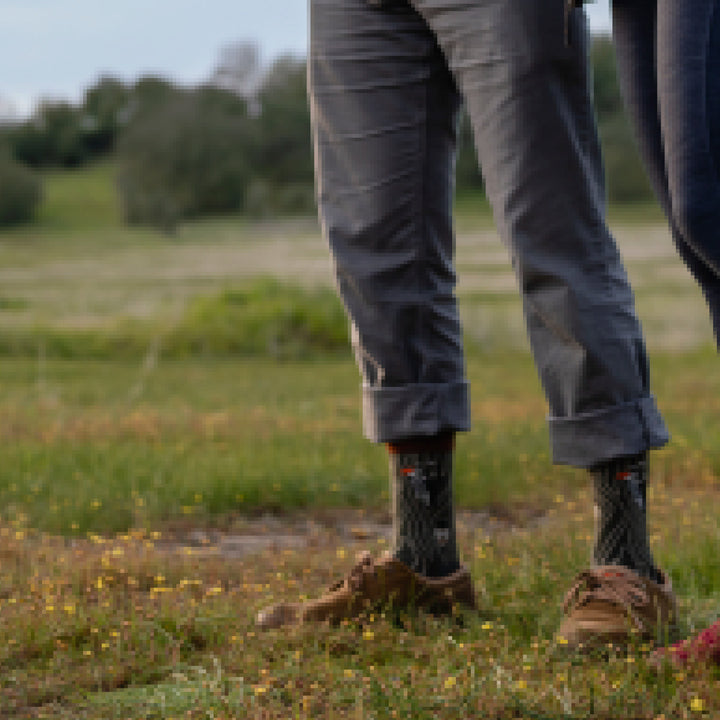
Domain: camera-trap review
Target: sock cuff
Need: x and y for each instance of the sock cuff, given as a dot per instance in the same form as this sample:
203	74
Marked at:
616	468
442	442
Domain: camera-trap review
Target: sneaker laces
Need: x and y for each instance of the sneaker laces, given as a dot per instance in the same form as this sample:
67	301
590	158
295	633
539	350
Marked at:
617	586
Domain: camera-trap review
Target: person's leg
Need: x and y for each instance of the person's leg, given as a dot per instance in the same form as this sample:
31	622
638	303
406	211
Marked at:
528	95
688	65
671	49
638	50
384	111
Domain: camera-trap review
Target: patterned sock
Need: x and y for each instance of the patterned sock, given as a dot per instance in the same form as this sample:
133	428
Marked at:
422	505
621	536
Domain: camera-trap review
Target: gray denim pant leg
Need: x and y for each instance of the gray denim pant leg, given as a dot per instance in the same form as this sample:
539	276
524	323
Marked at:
384	113
384	93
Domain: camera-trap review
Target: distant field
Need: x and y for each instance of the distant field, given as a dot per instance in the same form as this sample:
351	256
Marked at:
80	268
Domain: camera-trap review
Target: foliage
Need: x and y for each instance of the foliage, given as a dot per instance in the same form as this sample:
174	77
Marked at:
20	191
183	157
606	89
215	149
53	137
262	318
267	319
627	181
284	154
105	110
60	134
625	175
130	489
467	171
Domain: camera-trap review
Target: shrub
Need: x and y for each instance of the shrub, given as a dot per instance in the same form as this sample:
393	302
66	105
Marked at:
53	137
182	157
20	192
283	152
263	199
626	178
263	318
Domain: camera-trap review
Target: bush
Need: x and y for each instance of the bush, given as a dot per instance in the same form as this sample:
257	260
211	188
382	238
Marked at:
264	318
625	175
20	192
184	156
53	137
261	318
263	199
283	152
626	178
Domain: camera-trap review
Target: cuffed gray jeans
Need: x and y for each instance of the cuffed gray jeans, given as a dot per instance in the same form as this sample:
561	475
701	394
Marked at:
386	83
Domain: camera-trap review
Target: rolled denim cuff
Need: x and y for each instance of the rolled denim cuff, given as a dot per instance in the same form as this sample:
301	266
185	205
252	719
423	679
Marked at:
622	430
395	413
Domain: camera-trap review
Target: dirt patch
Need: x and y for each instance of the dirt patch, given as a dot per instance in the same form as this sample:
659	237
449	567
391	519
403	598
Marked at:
248	536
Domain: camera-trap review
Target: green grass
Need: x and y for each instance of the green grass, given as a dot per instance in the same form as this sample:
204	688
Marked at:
164	401
134	626
108	446
83	199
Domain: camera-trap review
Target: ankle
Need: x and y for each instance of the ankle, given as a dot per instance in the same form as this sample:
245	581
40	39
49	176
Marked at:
423	512
621	535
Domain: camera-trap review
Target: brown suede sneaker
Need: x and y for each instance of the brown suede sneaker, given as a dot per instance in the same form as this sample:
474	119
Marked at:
375	583
613	604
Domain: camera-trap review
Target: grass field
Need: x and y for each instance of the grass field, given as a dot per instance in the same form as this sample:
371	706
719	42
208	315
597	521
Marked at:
160	482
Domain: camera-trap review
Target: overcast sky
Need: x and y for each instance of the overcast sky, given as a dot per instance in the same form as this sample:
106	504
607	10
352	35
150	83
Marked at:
57	48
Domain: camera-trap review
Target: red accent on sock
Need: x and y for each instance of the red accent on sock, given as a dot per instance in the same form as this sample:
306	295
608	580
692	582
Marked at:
443	442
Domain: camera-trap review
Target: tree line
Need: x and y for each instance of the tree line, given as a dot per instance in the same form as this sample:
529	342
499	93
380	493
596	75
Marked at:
237	143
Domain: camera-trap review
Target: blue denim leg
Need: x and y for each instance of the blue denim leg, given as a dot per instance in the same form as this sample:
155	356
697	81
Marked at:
668	55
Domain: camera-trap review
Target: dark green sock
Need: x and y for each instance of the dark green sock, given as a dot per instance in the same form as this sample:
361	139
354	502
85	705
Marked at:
621	536
422	503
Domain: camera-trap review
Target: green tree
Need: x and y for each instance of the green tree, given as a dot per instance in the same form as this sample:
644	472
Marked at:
104	112
20	191
53	137
467	171
184	155
625	176
284	152
606	90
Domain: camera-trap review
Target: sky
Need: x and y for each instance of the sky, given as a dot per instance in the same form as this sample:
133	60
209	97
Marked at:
57	48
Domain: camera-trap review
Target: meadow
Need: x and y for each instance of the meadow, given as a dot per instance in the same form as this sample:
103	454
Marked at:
180	445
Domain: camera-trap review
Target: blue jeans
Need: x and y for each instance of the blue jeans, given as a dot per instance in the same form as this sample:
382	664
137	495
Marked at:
386	83
668	54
